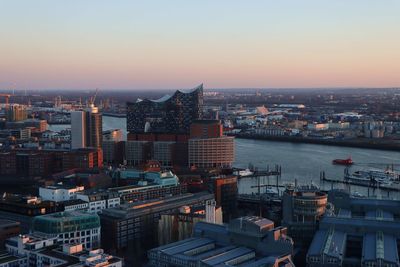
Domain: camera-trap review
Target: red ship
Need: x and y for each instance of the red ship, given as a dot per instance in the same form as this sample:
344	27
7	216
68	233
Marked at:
347	161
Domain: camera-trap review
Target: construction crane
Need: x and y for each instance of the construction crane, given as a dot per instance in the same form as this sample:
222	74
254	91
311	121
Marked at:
93	98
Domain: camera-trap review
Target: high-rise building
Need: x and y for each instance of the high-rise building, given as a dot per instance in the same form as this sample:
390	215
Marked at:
208	147
16	112
86	128
169	114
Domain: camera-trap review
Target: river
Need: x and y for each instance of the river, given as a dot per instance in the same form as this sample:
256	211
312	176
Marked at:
301	162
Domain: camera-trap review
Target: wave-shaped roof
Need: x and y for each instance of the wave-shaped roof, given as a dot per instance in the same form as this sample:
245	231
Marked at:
166	97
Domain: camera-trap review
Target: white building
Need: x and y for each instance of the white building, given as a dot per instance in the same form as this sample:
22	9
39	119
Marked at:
59	192
99	200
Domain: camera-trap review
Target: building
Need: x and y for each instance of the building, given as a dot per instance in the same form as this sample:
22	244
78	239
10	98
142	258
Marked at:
357	232
35	124
225	189
78	126
70	227
179	225
59	192
113	147
132	228
16	112
169	114
147	185
99	200
24	209
8	229
37	251
208	147
86	128
33	162
302	209
246	241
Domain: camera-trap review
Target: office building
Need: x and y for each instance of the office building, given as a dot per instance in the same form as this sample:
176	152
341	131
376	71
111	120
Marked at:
113	147
246	241
208	147
37	251
169	114
357	232
70	227
86	128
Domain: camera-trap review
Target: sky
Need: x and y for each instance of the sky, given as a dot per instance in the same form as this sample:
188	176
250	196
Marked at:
149	44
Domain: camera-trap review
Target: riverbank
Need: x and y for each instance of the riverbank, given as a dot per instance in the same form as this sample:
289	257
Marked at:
359	143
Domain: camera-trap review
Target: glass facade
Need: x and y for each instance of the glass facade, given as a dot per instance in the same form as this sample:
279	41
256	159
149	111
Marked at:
170	114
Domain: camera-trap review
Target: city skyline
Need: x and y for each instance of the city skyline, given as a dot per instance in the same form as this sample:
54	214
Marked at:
143	45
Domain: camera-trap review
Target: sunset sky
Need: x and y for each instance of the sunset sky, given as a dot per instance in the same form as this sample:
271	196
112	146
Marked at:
118	44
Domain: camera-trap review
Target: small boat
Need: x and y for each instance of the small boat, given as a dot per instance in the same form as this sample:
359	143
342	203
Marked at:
347	161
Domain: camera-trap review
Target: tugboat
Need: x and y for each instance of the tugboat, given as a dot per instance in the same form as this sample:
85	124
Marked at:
346	162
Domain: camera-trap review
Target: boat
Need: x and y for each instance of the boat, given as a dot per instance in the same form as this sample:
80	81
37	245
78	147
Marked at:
244	173
347	161
373	177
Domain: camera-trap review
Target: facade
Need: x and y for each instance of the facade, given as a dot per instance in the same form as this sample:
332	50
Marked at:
208	147
169	114
38	251
113	147
86	128
59	193
357	232
70	227
246	241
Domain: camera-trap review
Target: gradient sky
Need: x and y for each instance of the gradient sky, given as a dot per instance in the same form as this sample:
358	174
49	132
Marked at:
178	44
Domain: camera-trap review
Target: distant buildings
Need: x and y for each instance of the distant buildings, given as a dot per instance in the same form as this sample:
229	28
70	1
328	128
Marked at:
246	241
86	128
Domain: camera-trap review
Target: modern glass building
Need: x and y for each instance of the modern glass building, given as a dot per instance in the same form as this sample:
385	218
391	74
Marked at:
169	114
70	227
